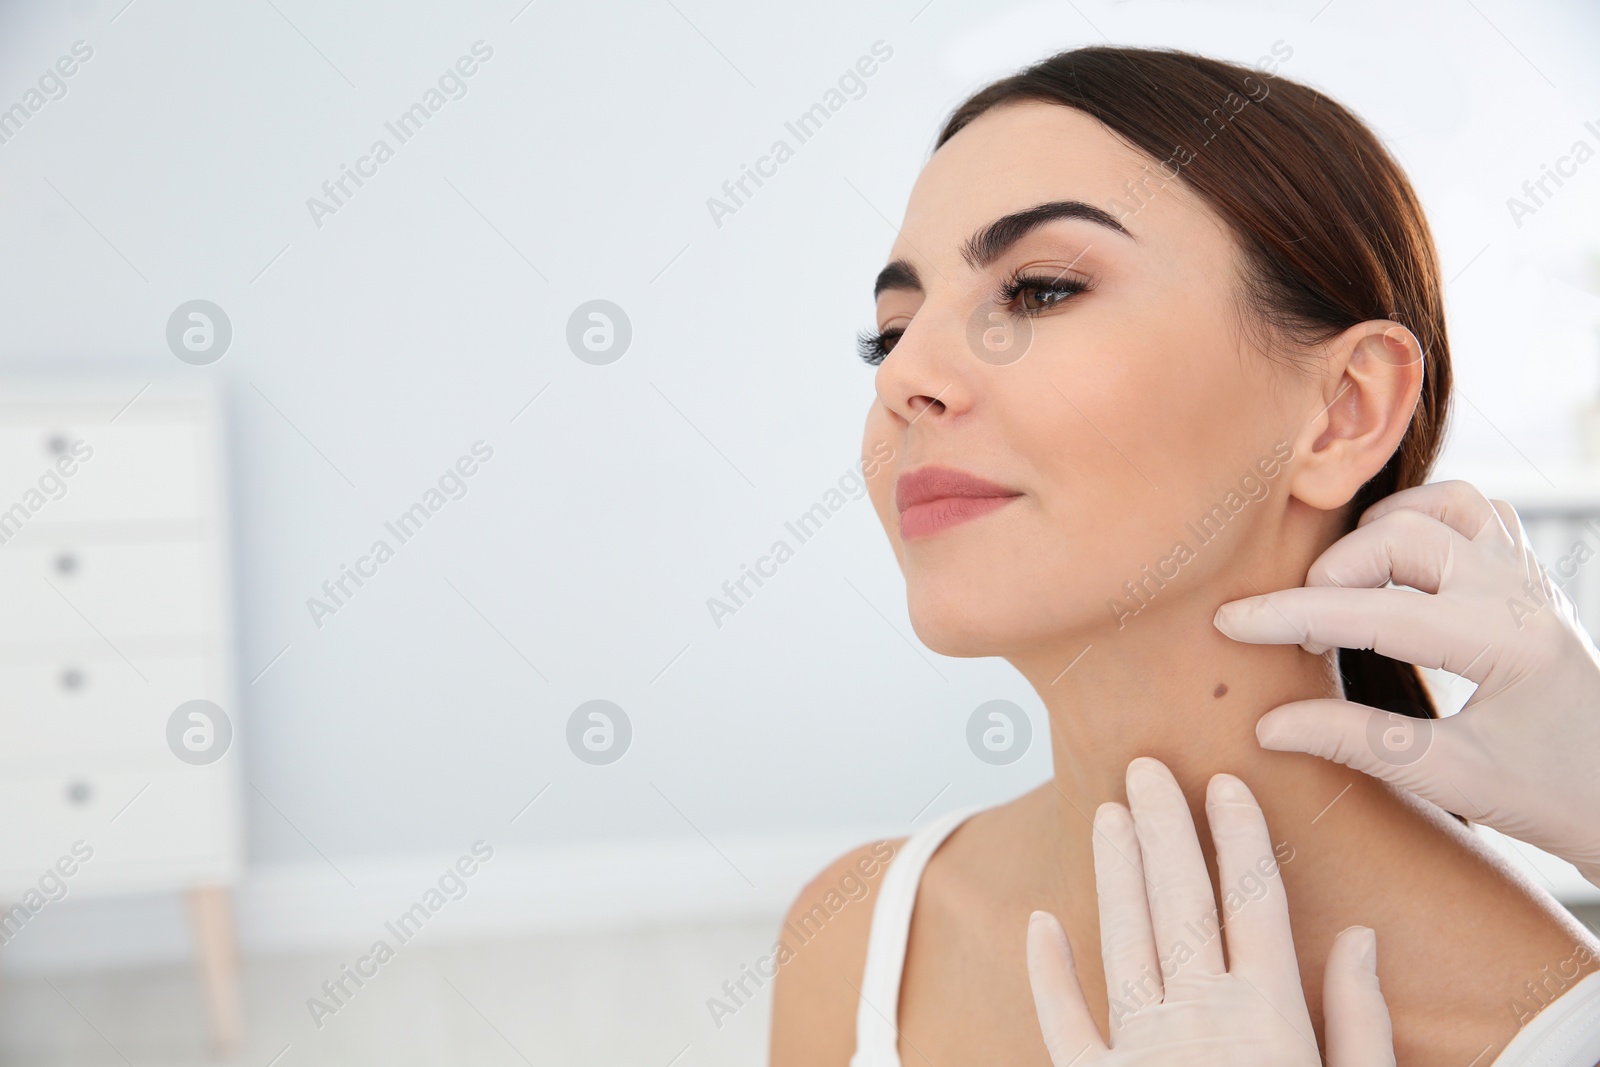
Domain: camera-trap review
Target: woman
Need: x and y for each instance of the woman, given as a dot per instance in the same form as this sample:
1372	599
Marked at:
1155	331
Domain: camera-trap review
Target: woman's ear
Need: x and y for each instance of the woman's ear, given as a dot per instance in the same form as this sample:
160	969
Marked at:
1368	390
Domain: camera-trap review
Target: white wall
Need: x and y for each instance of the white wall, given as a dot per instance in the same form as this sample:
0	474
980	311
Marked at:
378	346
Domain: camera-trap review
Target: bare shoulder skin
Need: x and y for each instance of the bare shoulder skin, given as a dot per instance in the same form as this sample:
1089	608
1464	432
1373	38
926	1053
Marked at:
823	954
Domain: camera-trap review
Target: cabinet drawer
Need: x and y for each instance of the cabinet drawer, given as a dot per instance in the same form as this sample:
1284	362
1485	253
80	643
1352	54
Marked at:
136	822
134	471
66	591
55	709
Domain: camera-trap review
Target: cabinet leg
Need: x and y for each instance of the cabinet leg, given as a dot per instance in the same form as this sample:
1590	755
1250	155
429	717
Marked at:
216	949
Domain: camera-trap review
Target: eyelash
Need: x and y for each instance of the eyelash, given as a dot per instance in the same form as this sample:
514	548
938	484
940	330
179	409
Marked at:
874	346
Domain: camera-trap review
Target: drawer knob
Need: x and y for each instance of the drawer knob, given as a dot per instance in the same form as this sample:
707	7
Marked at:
58	443
67	563
72	678
79	792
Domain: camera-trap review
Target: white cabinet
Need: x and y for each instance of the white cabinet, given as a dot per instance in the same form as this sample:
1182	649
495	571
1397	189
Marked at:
114	611
78	587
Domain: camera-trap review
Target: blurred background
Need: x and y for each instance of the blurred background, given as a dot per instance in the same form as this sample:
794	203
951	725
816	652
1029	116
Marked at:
368	505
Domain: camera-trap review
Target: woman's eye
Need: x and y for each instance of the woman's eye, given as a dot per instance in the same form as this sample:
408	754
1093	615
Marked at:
873	346
1035	299
1036	294
1041	294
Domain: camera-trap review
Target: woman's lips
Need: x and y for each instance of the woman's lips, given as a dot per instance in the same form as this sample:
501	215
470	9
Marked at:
934	498
921	520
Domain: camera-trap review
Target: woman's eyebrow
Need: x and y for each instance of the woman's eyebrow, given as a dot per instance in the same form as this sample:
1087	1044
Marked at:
899	274
991	242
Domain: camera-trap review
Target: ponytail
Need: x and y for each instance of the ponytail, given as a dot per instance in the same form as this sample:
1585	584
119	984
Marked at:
1374	679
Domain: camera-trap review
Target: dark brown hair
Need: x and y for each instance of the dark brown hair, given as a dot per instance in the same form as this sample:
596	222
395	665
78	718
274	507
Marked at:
1331	232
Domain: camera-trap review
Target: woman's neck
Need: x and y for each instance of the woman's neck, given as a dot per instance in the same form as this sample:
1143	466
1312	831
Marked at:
1168	684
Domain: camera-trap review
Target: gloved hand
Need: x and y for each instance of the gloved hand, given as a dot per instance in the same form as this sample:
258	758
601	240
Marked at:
1156	906
1523	755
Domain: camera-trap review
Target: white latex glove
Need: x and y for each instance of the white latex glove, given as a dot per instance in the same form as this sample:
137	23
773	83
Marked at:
1156	905
1523	755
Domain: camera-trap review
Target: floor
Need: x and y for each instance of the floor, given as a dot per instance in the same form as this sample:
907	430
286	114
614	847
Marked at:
638	998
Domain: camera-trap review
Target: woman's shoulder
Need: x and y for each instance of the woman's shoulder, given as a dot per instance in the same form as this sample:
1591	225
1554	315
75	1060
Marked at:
822	953
979	872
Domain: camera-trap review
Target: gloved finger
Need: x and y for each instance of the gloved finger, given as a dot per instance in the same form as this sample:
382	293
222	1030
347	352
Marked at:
1536	582
1127	943
1512	522
1355	1017
1257	924
1455	503
1064	1017
1181	898
1423	756
1402	624
1406	547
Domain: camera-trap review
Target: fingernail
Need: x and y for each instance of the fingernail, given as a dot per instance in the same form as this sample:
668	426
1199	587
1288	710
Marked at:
1227	789
1141	773
1366	947
1228	614
1239	611
1103	815
1255	620
1267	732
1036	918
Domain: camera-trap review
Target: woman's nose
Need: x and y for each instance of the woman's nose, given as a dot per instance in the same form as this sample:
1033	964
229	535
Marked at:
928	372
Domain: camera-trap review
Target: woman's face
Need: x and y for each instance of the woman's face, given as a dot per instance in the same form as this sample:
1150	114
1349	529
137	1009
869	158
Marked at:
1144	440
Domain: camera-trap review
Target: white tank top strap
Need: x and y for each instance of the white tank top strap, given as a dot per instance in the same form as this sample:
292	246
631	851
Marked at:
877	1012
1566	1033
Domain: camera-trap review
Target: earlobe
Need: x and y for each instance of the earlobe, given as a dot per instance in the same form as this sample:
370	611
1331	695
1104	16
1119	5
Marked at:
1371	385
